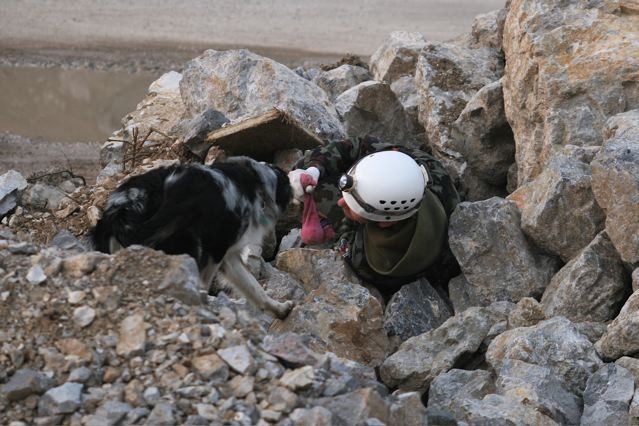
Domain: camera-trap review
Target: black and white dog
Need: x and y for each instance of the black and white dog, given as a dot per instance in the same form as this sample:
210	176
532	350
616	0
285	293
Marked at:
209	212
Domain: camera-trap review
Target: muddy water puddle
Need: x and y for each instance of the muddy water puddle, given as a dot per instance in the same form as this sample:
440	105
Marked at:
66	105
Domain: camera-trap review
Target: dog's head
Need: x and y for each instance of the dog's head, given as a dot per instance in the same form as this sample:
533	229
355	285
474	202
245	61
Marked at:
283	190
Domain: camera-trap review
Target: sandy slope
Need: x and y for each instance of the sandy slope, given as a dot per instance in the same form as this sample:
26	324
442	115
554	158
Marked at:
323	26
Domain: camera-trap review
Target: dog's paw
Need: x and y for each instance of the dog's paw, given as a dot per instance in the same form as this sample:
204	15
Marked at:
283	308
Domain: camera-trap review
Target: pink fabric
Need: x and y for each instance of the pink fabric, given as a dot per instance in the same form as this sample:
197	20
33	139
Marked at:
312	230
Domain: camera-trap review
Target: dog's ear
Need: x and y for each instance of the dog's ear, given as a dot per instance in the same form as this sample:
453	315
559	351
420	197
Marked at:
283	190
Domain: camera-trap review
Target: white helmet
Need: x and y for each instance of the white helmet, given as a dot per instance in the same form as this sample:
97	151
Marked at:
385	186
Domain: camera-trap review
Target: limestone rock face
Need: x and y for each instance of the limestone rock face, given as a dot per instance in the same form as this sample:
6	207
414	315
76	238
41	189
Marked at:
371	108
422	358
448	75
615	182
591	287
406	90
558	208
338	80
607	396
484	138
498	409
242	84
397	56
555	344
622	336
568	69
338	313
450	390
488	29
497	260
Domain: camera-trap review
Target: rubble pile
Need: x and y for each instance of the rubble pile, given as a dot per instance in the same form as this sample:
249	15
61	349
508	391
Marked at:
535	115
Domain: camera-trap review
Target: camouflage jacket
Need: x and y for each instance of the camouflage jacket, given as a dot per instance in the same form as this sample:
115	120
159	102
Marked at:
337	158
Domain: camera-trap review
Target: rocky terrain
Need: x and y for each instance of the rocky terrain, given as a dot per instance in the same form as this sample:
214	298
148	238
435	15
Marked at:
535	114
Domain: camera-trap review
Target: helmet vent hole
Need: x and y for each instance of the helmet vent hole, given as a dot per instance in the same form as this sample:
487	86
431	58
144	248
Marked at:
393	202
396	208
387	217
403	201
382	201
412	200
406	208
386	208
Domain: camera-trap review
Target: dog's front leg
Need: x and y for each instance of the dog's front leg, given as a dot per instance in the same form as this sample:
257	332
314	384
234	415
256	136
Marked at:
238	275
208	273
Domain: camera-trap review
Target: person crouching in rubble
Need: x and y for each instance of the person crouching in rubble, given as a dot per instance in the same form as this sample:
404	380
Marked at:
388	205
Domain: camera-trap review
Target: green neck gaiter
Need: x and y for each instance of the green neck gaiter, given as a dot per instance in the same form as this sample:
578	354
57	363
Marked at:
410	246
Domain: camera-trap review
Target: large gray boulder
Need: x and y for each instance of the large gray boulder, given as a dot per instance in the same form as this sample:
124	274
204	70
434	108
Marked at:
338	314
556	95
242	84
497	260
539	387
488	28
422	358
415	309
622	336
558	208
591	287
448	76
356	407
502	411
607	397
405	88
615	182
556	344
340	79
397	56
450	390
372	108
483	137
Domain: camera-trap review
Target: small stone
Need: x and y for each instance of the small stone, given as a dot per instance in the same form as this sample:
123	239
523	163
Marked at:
74	348
82	264
83	316
152	395
36	275
80	375
93	214
24	383
270	416
132	339
211	367
109	414
241	386
207	411
282	399
238	358
162	414
111	374
63	399
299	379
76	297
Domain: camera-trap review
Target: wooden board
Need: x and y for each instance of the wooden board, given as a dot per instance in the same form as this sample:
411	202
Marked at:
261	136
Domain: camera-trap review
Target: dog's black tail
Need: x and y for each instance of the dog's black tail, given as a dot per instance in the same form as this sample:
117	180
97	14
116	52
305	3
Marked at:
132	204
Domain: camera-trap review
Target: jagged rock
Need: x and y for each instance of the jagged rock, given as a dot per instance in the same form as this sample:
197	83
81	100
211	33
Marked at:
238	358
527	312
291	240
11	183
182	280
607	396
558	208
502	410
635	280
348	376
162	414
371	108
63	399
291	348
615	181
83	316
210	367
458	289
298	379
327	266
630	364
449	390
621	337
407	409
555	96
316	416
82	264
196	129
555	344
422	358
497	260
45	197
342	317
109	414
397	56
591	287
132	339
448	75
415	309
280	285
36	275
220	80
338	80
24	383
65	240
538	387
488	28
356	407
405	88
483	137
